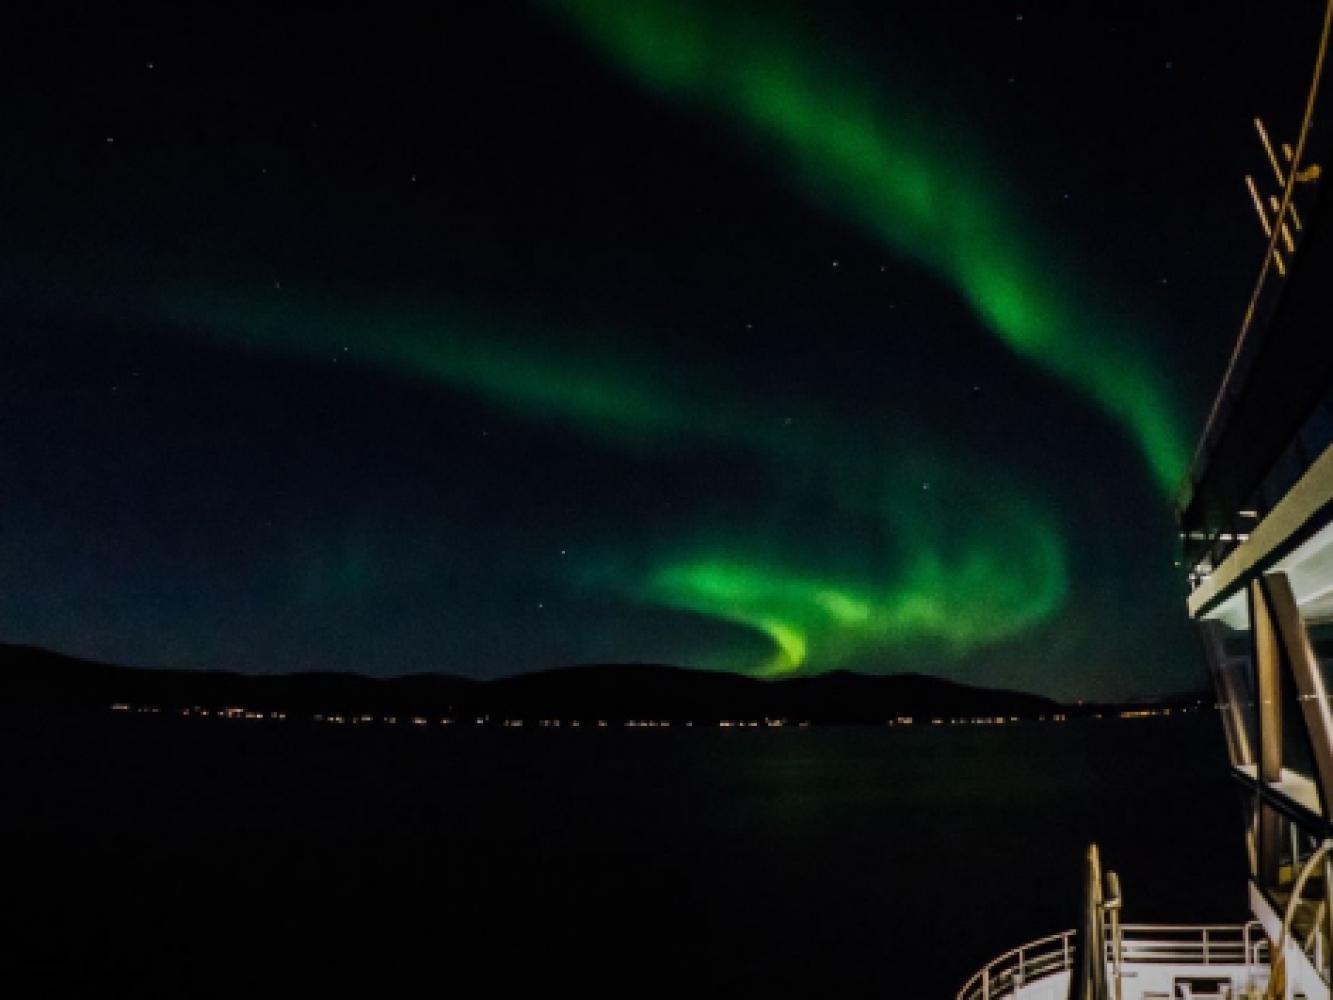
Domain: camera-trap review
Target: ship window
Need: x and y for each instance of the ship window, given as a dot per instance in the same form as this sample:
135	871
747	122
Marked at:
1286	760
1298	774
1226	633
1320	629
1317	434
1309	571
1285	850
1286	847
1249	803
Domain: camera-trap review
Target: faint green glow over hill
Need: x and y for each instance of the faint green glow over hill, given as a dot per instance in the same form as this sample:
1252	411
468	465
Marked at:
951	576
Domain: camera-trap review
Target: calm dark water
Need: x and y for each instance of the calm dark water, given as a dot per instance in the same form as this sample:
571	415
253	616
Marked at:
154	856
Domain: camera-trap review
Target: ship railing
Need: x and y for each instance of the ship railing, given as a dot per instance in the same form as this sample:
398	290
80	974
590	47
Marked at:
1140	944
1201	944
1003	975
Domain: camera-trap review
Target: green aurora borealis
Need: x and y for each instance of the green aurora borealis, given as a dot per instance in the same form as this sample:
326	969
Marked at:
948	579
927	191
727	335
953	576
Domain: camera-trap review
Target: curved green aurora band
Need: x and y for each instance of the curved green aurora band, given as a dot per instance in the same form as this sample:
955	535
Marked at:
968	565
920	189
952	605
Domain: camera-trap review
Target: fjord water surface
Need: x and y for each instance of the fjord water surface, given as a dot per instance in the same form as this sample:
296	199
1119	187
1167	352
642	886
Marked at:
185	857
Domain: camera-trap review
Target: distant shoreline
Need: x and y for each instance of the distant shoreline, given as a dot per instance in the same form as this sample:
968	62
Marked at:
231	713
592	696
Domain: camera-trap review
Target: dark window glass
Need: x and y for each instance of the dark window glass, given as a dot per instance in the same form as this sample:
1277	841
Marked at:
1320	631
1317	434
1227	631
1285	849
1250	817
1298	778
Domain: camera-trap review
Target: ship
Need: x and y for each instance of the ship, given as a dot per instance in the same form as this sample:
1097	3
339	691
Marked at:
1255	522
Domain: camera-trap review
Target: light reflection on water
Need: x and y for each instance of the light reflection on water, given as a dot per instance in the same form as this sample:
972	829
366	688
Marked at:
857	857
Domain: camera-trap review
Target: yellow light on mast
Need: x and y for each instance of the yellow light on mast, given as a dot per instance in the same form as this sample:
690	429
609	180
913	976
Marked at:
1276	206
1263	221
1268	148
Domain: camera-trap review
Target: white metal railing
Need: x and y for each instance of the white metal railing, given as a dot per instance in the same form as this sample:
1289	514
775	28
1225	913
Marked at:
1141	944
1200	944
1003	975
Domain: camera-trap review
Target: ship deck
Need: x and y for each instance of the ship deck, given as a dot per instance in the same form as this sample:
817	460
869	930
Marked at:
1155	962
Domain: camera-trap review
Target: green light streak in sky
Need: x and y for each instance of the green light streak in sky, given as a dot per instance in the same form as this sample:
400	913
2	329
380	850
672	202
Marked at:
993	580
927	193
966	566
543	376
593	393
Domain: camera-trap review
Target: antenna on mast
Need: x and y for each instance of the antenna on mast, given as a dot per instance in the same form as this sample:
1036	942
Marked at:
1271	215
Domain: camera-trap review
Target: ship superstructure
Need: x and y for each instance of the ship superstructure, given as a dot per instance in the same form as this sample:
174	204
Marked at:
1255	516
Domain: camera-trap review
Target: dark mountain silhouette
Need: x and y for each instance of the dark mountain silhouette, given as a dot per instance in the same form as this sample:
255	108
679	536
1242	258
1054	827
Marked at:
615	692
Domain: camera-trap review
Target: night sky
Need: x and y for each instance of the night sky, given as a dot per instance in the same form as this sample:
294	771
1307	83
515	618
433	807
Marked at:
765	337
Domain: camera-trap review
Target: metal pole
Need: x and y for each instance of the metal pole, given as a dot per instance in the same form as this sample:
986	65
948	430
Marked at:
1326	932
1112	905
1087	979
